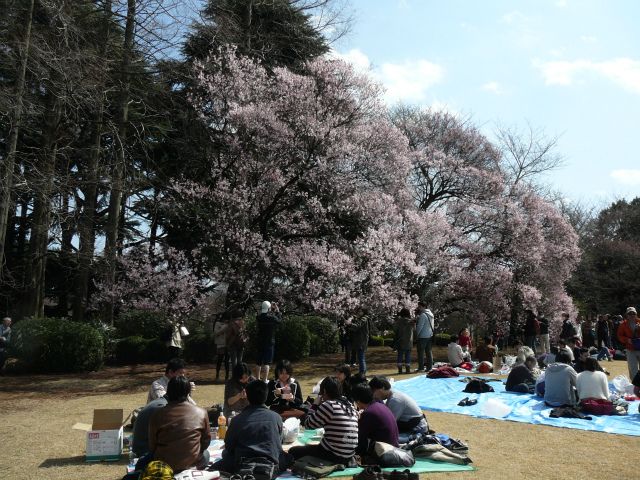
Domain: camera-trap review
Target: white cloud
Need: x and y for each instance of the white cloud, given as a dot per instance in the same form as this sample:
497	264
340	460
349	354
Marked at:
356	58
624	72
513	17
589	39
493	87
409	80
626	177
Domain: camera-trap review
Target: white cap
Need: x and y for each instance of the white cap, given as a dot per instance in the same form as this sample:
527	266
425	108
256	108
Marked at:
265	307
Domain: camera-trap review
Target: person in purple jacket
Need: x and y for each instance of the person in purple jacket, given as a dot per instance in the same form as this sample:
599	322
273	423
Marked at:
376	423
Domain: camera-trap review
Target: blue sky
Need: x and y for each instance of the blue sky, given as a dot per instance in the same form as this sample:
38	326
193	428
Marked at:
568	67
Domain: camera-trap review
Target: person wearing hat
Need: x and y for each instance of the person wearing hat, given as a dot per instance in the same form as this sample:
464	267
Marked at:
629	336
266	322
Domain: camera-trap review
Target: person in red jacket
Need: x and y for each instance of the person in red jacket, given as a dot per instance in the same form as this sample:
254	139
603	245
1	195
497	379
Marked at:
629	336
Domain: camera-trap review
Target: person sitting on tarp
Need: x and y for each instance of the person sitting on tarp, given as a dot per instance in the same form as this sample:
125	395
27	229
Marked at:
284	391
254	434
140	445
235	397
406	411
560	382
339	418
593	385
521	378
455	354
486	351
376	423
174	368
179	432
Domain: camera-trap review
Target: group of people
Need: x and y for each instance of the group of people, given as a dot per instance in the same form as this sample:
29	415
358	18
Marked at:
355	412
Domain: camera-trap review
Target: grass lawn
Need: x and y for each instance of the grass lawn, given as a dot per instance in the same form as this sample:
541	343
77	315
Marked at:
39	411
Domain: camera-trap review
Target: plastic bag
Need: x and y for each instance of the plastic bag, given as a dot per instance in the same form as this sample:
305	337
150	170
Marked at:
622	384
495	408
291	429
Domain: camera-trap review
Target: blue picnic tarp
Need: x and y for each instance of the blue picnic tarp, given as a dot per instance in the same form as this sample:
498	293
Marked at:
443	395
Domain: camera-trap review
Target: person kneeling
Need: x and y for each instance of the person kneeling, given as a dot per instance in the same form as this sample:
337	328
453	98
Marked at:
376	424
254	438
521	378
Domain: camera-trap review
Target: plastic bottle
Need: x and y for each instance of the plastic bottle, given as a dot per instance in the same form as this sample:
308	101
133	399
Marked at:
222	427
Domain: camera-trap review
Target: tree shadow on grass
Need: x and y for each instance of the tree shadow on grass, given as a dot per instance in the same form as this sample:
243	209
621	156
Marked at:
76	461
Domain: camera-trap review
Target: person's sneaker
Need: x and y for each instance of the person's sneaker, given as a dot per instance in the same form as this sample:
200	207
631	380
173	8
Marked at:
407	369
400	369
399	475
371	472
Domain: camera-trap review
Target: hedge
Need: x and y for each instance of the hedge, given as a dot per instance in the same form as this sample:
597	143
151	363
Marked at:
56	345
141	323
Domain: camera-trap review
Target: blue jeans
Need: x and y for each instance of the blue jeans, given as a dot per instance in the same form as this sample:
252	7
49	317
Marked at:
424	346
404	355
362	363
603	353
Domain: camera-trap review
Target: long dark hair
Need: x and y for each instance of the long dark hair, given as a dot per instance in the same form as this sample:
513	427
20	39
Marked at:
331	389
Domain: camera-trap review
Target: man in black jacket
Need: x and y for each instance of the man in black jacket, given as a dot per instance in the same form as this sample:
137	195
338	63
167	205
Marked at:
254	437
266	321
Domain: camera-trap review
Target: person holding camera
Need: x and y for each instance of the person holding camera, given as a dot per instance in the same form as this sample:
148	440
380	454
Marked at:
266	321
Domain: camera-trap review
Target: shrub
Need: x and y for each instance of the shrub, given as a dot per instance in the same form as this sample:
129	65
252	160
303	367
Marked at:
57	345
324	334
132	350
156	351
292	340
199	348
142	323
377	341
442	339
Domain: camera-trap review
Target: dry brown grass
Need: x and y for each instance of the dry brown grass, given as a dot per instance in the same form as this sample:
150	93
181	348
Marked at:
38	412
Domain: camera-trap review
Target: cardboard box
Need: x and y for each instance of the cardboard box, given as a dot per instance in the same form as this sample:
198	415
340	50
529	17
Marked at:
104	440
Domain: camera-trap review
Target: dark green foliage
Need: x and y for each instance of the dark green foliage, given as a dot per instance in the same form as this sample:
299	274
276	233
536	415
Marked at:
57	345
378	341
292	340
324	334
275	32
156	351
442	339
131	350
199	348
606	278
143	323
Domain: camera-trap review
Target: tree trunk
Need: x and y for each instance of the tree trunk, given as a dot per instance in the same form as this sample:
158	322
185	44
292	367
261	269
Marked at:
39	240
7	175
86	223
117	181
66	249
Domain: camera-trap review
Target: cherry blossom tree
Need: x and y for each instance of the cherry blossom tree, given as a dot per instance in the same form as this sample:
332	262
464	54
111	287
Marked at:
307	197
164	282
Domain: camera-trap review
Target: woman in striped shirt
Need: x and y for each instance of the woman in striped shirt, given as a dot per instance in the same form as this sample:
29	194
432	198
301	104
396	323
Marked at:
339	419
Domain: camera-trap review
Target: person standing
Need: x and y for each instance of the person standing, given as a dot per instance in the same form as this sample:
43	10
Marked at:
5	338
403	336
361	338
266	321
603	337
543	337
531	330
425	328
236	338
629	336
219	337
568	328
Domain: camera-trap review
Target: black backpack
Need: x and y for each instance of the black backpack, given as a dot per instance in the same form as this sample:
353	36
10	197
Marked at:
478	385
